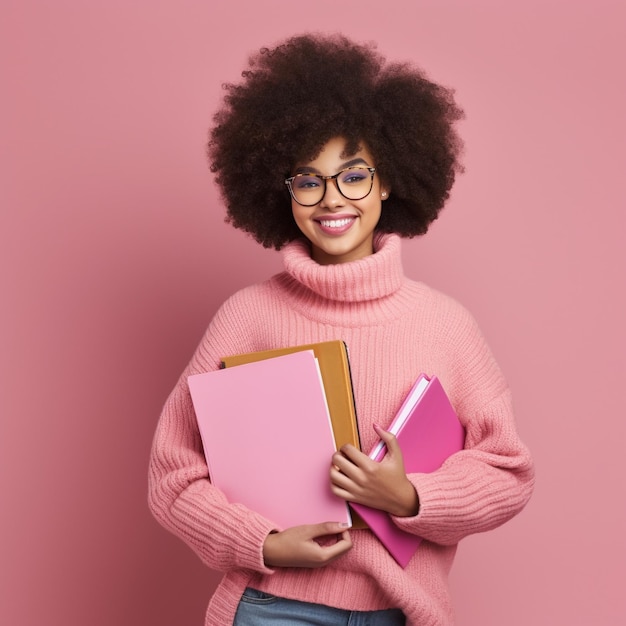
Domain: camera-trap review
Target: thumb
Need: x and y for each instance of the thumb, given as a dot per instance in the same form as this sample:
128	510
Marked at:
388	438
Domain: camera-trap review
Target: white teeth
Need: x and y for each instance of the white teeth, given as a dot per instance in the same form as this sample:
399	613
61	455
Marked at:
336	223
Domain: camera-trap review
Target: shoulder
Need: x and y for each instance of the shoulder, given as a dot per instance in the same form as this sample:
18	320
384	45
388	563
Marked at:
245	309
236	326
474	374
450	330
259	294
442	310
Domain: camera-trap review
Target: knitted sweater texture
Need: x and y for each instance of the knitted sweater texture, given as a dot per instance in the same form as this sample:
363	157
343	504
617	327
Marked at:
395	329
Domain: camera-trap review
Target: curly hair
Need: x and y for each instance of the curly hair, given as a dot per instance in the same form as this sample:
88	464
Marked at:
297	96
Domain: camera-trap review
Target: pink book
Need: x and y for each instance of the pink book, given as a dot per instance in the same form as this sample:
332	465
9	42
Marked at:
268	440
428	431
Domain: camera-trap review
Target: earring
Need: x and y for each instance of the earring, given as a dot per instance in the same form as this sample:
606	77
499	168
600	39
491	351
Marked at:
384	194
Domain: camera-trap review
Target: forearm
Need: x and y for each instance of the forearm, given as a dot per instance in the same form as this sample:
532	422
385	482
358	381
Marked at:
472	492
182	499
478	488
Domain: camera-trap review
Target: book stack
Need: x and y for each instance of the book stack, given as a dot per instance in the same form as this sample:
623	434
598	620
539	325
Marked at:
268	439
270	422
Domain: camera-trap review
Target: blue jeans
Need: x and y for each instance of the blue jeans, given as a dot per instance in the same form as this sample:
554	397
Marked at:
257	608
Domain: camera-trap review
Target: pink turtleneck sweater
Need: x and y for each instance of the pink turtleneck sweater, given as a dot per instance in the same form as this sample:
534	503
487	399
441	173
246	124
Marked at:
395	329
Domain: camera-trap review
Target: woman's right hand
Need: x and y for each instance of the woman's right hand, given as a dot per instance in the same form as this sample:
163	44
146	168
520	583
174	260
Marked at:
313	545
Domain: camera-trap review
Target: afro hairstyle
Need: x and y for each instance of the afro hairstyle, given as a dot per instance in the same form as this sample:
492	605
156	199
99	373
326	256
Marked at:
297	96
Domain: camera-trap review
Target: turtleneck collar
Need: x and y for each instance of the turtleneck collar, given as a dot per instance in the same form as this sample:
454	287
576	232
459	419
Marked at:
373	277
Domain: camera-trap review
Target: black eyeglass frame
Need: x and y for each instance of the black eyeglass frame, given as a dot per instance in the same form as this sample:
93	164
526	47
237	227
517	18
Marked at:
371	170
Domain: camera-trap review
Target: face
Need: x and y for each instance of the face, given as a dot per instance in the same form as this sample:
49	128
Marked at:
340	230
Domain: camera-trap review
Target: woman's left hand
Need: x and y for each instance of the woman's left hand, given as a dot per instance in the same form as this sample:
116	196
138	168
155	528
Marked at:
381	485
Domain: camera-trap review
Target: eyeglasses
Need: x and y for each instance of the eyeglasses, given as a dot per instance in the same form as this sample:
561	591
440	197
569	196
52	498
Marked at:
353	183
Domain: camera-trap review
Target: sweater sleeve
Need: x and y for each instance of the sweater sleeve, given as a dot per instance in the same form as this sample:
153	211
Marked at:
181	497
491	480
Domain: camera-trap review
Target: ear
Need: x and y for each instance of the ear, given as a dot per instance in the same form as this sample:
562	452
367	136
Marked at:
384	193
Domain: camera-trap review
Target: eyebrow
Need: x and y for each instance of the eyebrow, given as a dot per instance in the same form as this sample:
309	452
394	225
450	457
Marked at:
312	170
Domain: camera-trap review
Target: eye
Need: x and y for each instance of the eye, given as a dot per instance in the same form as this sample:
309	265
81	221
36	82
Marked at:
306	181
354	176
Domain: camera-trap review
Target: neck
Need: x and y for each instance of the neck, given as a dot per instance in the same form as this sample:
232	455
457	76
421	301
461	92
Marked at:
372	277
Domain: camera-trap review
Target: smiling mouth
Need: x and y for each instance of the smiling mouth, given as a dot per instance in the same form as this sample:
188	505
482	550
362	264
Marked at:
339	223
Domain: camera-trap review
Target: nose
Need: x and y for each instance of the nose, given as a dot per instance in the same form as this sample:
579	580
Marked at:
332	197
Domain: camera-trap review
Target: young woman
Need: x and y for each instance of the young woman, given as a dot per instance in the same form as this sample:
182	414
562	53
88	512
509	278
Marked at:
330	154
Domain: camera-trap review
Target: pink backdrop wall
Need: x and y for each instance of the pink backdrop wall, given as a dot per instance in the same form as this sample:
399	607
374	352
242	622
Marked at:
114	256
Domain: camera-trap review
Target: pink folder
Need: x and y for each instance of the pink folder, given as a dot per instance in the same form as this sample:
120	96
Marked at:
430	433
268	439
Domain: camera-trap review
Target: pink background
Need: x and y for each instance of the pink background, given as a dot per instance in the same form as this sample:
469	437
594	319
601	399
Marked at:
114	256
